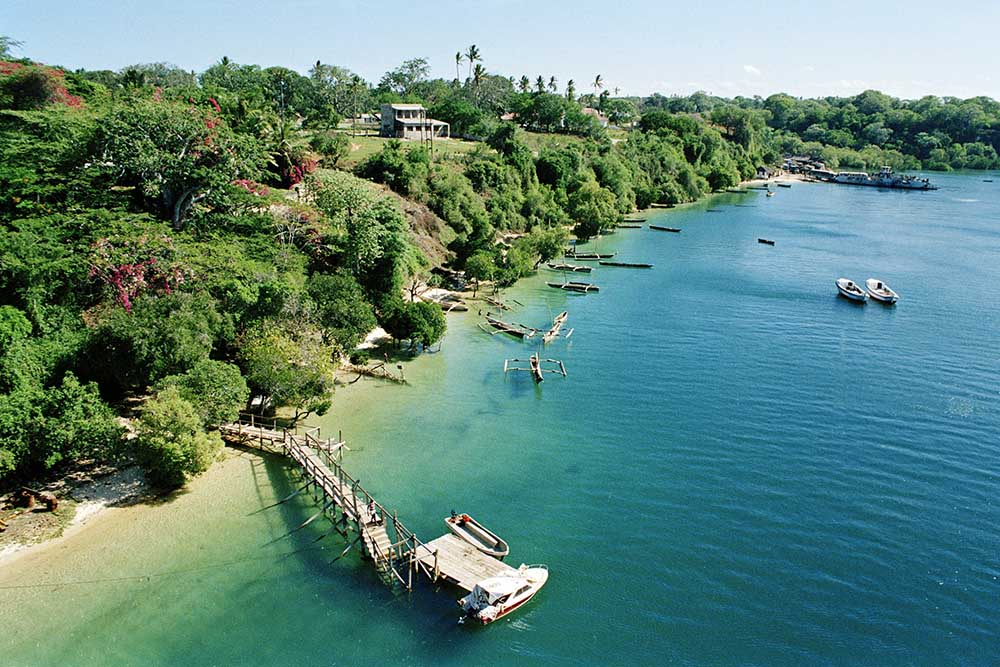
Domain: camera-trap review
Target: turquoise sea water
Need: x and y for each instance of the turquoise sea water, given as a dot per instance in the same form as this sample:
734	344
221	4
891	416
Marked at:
741	469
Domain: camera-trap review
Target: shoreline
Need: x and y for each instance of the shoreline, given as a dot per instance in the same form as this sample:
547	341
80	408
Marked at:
93	506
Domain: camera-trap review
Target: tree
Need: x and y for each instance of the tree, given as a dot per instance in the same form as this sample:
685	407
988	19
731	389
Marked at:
342	310
593	208
472	55
178	155
7	45
458	63
170	443
430	323
571	91
14	327
216	389
598	85
404	78
539	84
553	87
290	366
480	266
524	85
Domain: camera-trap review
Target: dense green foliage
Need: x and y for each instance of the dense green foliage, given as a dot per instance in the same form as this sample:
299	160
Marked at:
170	442
866	130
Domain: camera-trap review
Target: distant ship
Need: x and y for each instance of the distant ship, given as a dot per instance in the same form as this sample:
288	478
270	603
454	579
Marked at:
883	179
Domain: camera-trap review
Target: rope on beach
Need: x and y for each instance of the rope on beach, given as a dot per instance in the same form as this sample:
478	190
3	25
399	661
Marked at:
168	573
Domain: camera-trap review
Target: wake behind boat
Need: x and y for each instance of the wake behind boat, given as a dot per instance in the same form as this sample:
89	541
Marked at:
473	532
849	290
880	291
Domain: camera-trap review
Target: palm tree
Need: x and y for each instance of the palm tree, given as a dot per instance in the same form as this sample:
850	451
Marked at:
552	84
540	84
472	55
598	85
478	74
616	90
571	90
524	85
458	62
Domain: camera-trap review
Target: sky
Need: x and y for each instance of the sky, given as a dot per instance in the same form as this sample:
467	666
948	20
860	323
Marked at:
809	49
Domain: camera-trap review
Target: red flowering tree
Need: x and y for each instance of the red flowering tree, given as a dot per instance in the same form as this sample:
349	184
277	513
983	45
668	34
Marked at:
178	154
135	266
33	87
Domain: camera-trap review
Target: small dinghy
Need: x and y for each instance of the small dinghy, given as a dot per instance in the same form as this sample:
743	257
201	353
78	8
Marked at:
851	291
496	597
765	241
784	185
880	291
665	229
769	194
470	530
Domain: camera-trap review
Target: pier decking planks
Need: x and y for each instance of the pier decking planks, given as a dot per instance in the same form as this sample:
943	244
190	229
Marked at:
462	564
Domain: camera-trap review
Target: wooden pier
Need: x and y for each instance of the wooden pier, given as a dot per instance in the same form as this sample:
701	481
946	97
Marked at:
396	553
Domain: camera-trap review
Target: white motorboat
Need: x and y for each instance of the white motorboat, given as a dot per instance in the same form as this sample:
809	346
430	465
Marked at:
496	597
850	290
880	291
473	532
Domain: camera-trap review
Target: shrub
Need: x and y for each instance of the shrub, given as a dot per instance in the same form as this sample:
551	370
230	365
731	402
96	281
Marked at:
171	445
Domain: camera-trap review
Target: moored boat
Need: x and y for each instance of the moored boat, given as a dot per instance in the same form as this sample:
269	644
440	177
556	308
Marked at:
769	194
879	291
512	328
665	229
496	597
473	532
765	241
575	268
574	286
627	265
848	289
588	256
784	185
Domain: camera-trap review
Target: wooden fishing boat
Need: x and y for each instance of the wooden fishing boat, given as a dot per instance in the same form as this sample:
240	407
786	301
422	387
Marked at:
588	256
849	290
473	532
765	241
769	194
557	324
496	302
535	367
496	597
512	328
784	185
627	265
575	268
574	286
880	291
661	205
665	229
633	220
629	226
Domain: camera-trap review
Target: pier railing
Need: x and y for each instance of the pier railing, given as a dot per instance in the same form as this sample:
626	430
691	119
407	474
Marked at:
324	470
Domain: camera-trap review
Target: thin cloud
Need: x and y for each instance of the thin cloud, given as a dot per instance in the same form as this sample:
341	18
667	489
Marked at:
750	69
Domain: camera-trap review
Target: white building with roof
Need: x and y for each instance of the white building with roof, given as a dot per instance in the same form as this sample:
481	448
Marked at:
410	121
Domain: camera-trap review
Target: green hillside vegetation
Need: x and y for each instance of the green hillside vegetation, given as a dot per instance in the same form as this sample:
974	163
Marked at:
193	241
866	130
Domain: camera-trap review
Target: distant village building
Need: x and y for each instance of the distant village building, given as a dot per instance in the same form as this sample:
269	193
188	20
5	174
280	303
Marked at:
601	118
410	121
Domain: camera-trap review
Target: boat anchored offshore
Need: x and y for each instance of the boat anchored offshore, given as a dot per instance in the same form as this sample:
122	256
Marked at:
473	532
660	228
573	268
884	179
848	289
496	597
880	291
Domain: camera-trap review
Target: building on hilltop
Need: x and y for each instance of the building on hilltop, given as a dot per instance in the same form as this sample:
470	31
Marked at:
410	121
594	113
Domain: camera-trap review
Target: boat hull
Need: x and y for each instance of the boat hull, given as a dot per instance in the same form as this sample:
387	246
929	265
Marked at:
880	292
849	290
